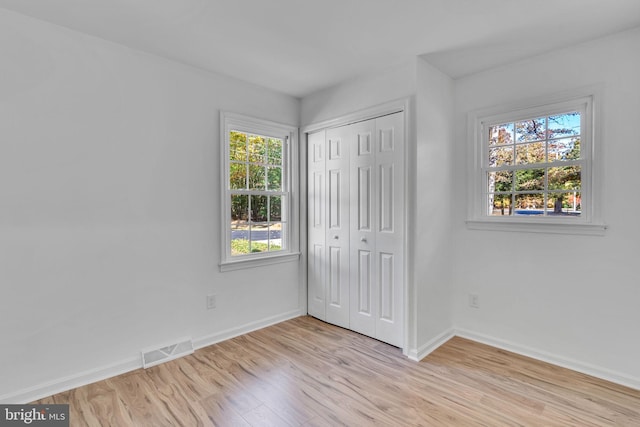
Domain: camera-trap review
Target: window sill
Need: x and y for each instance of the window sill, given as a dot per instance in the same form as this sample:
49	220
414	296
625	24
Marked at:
588	229
258	261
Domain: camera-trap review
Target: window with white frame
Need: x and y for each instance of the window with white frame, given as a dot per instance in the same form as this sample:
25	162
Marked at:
258	182
534	168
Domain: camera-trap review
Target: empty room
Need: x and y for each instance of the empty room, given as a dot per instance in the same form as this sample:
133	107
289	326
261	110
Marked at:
296	213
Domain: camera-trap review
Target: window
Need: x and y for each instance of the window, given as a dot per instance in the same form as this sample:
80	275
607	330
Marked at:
534	168
258	181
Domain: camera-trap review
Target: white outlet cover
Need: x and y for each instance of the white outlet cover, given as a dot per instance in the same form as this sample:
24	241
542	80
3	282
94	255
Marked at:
211	301
474	301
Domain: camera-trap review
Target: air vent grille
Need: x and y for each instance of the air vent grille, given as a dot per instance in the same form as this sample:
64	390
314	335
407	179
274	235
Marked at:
163	354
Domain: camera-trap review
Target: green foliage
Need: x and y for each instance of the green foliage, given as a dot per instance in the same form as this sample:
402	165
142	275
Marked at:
242	247
255	164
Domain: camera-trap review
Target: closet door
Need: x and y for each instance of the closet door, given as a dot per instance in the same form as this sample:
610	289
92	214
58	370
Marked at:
356	227
316	224
363	272
337	228
377	228
389	249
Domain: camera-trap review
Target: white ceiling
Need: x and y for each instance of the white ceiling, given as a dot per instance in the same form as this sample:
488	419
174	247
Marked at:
301	46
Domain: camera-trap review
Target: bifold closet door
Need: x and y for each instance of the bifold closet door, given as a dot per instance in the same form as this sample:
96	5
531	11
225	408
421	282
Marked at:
377	228
328	225
316	225
363	272
337	227
356	227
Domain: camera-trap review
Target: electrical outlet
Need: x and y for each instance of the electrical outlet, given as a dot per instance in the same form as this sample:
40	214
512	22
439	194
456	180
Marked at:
211	302
473	301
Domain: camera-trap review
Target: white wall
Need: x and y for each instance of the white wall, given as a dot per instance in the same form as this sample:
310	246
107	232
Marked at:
396	82
109	212
570	299
432	252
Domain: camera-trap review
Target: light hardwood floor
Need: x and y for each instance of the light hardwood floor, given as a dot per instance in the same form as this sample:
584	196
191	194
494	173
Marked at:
305	372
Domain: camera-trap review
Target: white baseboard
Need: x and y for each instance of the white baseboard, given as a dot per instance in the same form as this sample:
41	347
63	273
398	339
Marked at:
87	377
67	383
244	329
574	365
425	349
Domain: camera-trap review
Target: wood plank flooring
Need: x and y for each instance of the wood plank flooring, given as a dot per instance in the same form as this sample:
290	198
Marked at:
304	372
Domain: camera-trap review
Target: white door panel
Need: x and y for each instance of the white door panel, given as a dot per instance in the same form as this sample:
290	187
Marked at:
362	237
337	229
390	235
316	225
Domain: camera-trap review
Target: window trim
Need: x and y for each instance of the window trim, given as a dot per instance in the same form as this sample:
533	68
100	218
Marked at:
238	122
586	100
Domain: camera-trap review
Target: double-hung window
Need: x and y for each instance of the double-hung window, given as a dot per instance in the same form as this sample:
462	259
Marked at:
534	168
258	182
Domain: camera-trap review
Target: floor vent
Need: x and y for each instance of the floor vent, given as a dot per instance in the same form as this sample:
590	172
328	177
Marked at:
169	352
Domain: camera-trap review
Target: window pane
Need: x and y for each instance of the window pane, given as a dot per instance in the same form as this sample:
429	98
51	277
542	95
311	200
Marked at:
256	177
530	179
239	208
500	204
275	237
529	204
239	237
530	153
258	208
567	203
274	151
530	130
501	134
564	125
564	149
500	181
259	238
257	149
500	156
239	246
275	208
237	176
565	178
237	146
274	178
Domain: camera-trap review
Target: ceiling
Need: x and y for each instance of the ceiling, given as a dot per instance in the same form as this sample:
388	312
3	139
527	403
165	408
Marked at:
301	46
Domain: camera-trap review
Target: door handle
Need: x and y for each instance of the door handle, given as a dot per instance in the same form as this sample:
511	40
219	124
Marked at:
336	237
363	239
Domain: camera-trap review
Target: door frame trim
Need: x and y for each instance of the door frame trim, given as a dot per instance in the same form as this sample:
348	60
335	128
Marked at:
360	116
391	107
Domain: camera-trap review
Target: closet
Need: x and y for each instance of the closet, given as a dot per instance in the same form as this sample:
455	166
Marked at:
355	180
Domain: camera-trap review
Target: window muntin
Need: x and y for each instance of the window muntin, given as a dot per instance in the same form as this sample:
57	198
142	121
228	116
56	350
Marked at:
532	166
